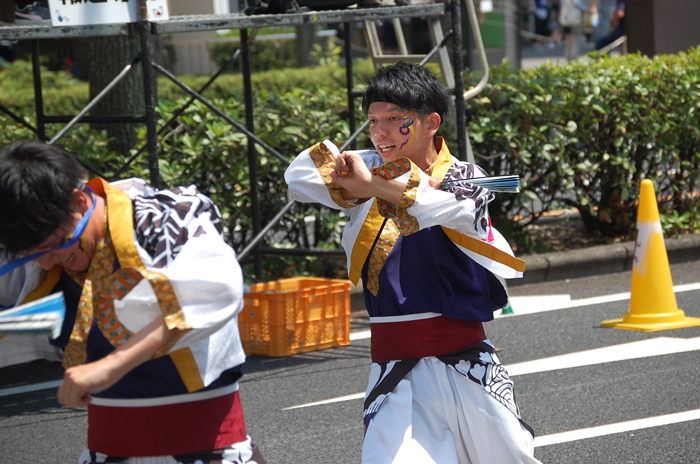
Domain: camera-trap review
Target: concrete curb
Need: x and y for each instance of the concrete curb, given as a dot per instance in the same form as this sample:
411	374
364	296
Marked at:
599	260
584	262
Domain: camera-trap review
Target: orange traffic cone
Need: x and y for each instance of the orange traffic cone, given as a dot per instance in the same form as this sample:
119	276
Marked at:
653	304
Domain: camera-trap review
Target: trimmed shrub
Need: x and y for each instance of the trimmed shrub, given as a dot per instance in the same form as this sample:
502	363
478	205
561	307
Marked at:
304	106
264	55
581	135
584	135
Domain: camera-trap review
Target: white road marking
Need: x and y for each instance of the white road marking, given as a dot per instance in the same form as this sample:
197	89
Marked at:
360	335
623	352
30	388
539	303
635	350
524	305
354	396
535	304
620	427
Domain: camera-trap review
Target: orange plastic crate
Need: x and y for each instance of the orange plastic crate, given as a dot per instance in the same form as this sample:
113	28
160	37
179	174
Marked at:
290	316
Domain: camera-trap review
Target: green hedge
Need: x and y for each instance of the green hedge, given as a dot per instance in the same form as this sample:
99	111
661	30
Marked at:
581	135
303	107
264	55
584	135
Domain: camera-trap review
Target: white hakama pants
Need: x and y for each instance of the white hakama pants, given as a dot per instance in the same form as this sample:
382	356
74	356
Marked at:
437	415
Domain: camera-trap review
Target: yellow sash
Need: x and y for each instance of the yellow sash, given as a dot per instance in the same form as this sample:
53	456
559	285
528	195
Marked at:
374	220
121	228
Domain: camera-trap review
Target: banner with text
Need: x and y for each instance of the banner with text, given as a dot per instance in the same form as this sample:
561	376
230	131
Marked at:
90	12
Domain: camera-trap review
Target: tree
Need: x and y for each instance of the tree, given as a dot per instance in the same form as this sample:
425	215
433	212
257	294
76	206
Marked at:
107	58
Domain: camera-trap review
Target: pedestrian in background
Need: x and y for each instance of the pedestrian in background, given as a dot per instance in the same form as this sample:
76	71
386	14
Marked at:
571	20
617	24
540	11
606	11
555	28
587	26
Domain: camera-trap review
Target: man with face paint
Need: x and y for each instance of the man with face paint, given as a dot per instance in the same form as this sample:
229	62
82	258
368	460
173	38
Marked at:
428	259
150	340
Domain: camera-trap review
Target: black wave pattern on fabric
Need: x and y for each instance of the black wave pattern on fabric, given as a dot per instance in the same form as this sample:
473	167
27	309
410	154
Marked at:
465	190
162	221
392	372
480	364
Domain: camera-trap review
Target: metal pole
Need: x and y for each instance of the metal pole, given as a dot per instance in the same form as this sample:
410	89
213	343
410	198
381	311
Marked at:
220	113
110	119
252	154
468	35
259	236
38	97
459	80
95	100
350	81
182	109
354	136
613	45
435	49
149	93
19	119
471	11
302	251
511	35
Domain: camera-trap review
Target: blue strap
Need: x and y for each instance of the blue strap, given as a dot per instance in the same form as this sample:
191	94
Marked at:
77	233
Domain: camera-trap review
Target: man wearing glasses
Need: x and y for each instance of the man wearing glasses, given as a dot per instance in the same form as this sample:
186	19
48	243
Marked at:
150	340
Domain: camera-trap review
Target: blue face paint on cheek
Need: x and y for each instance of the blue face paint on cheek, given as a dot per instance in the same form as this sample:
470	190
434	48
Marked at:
405	131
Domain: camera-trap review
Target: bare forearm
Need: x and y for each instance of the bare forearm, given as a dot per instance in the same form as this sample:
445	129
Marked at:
389	190
142	346
379	187
357	182
80	381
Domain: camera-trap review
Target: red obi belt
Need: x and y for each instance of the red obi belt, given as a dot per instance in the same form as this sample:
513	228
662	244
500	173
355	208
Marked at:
401	338
185	424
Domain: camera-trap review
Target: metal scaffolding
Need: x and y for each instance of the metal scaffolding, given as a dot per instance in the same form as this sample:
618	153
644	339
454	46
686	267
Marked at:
144	30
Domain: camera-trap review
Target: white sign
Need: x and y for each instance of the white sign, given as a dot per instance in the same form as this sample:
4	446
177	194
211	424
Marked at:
486	6
89	12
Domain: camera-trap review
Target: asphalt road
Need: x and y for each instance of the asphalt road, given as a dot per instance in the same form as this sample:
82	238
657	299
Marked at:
641	410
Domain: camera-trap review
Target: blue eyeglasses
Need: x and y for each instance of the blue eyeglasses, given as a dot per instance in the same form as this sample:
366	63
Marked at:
77	233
